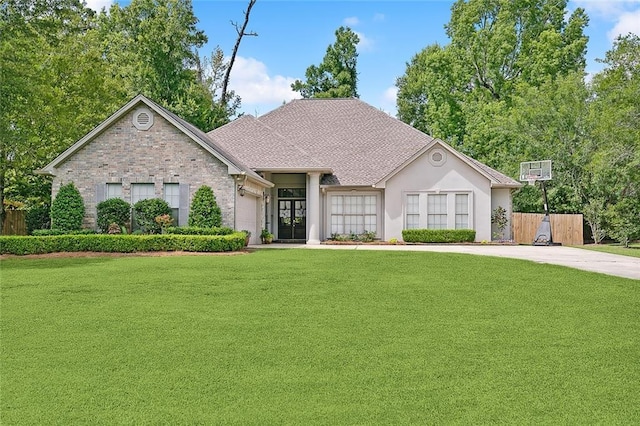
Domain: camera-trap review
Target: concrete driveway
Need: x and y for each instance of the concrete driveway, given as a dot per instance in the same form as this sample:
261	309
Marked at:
588	260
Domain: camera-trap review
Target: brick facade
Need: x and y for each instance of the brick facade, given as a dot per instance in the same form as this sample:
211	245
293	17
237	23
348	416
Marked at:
161	154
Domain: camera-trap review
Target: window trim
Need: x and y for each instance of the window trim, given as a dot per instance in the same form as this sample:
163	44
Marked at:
451	207
377	209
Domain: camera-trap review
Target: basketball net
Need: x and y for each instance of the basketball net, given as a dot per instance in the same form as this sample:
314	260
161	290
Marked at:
532	179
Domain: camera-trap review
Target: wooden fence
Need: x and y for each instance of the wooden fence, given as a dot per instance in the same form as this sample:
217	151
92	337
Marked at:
14	222
566	229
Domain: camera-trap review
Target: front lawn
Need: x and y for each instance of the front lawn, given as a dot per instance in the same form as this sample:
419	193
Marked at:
316	337
633	249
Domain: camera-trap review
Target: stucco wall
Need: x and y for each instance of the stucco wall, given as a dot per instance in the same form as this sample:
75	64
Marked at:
451	176
162	154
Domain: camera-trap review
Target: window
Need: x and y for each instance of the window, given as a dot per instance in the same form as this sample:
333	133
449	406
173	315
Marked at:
114	190
142	191
413	212
437	211
172	197
353	214
462	211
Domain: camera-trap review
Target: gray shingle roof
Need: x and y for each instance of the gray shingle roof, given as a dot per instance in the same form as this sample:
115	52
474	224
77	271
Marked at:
358	142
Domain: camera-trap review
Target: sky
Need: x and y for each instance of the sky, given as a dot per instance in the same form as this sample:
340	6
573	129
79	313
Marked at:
294	34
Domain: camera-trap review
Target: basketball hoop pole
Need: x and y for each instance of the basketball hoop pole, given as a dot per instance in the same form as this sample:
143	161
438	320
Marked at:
545	227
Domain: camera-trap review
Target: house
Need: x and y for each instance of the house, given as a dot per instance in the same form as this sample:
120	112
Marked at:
306	171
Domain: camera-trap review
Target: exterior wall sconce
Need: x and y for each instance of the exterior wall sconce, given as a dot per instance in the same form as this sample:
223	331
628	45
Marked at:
267	198
241	190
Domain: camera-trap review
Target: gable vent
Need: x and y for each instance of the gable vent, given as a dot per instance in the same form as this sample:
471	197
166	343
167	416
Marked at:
143	119
437	157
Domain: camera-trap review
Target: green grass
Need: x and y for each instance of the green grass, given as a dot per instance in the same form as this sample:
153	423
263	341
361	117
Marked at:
316	337
633	249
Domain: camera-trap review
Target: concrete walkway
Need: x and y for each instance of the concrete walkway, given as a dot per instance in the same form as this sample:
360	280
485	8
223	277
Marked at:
588	260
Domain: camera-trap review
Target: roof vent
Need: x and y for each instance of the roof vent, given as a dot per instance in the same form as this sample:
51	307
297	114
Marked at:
437	157
143	119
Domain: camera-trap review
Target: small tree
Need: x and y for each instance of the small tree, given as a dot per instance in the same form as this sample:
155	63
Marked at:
67	209
113	210
205	212
500	219
624	221
146	211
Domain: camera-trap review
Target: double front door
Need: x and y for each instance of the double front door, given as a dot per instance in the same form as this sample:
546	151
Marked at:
292	215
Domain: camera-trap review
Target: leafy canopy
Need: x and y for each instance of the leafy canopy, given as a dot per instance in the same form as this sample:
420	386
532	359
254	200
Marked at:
336	76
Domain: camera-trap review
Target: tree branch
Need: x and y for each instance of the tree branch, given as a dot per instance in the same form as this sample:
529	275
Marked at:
241	33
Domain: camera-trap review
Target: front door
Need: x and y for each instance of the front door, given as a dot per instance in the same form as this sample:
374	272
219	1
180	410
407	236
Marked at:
292	219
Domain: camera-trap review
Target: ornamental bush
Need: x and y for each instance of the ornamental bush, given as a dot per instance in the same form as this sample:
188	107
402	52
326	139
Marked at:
113	210
204	212
146	211
439	235
38	217
67	209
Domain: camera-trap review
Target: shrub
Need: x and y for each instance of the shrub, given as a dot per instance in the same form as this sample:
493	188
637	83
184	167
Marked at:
38	217
204	212
113	210
190	230
67	209
439	235
146	211
121	243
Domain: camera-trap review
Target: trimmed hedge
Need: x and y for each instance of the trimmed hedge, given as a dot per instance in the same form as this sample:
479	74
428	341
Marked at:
121	243
193	230
439	235
49	232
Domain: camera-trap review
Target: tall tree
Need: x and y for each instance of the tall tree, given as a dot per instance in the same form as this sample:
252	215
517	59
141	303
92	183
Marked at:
615	114
454	91
336	76
54	88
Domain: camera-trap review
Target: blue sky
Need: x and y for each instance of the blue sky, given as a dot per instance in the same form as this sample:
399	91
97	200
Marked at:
293	35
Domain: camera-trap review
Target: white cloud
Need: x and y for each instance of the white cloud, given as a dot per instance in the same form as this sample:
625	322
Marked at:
250	80
365	44
97	5
628	22
351	21
391	94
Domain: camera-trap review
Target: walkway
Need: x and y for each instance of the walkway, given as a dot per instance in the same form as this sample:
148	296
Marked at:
588	260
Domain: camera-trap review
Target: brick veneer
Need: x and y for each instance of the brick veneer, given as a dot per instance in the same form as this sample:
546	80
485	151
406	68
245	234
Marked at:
162	154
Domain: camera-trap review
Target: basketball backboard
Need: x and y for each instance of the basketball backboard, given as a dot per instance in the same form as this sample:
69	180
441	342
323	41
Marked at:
531	171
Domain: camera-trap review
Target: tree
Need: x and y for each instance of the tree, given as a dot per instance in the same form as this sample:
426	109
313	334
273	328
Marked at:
615	115
204	212
54	87
454	91
336	76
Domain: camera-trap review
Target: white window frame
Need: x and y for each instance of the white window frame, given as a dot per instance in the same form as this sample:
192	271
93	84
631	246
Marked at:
461	211
353	212
142	191
113	190
412	211
171	194
452	212
437	211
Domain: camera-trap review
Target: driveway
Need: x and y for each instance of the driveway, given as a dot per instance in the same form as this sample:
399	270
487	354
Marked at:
588	260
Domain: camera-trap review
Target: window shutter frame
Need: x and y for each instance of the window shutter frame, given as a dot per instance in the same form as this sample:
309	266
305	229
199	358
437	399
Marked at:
183	209
101	192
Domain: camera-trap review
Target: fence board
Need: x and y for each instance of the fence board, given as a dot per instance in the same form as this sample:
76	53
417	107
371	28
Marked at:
14	222
566	229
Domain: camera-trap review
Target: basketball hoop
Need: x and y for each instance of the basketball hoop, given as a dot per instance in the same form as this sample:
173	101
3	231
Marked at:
532	179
